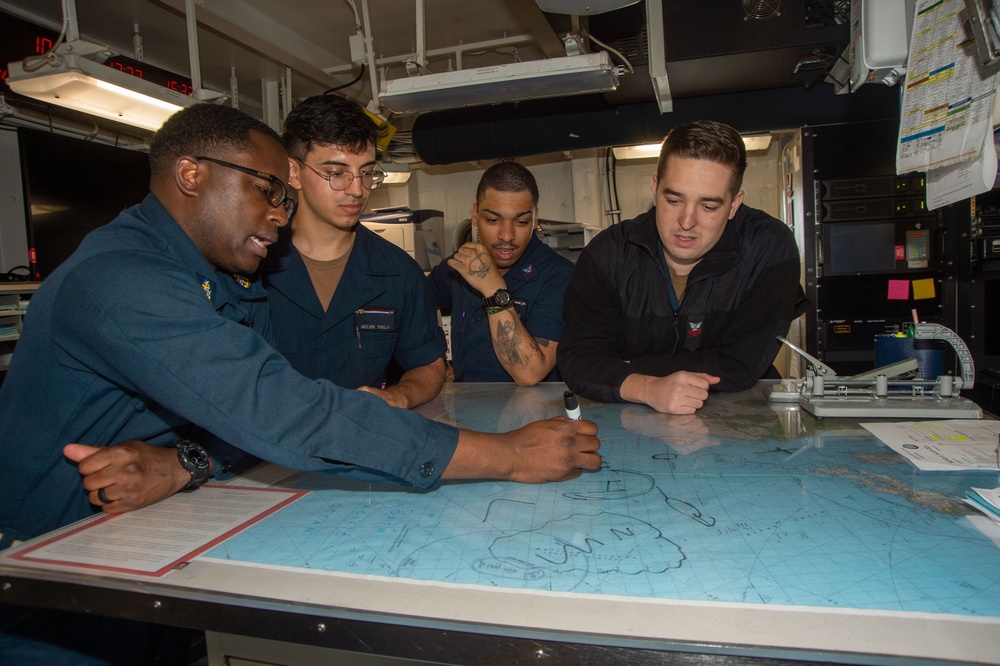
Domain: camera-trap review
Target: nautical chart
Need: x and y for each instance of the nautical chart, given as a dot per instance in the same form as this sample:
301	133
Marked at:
734	509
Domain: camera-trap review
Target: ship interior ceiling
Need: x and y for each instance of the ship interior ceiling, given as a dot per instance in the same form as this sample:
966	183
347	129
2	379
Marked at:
760	65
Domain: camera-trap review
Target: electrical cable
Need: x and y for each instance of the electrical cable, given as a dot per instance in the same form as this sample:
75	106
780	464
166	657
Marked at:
35	62
348	84
618	53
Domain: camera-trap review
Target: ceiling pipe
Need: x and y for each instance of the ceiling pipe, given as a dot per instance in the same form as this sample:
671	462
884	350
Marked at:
69	16
22	117
455	51
191	18
370	49
658	57
192	39
421	34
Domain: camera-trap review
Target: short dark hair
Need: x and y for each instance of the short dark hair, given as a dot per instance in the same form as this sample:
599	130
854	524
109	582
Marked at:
707	140
508	177
203	129
328	119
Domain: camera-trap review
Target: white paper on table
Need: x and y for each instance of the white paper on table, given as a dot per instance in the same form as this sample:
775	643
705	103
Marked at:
954	444
163	536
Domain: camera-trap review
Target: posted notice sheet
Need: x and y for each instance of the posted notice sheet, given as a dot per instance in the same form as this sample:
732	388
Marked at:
161	537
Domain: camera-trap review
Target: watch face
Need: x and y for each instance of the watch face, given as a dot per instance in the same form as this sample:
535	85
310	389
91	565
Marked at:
197	458
193	458
502	297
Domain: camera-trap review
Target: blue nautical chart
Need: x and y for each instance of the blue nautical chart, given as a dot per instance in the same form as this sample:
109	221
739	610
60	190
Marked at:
747	504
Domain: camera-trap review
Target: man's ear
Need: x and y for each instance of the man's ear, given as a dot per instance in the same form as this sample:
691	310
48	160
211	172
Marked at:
188	176
737	200
293	174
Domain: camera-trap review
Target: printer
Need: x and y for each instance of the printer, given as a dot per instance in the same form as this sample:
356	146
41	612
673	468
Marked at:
419	232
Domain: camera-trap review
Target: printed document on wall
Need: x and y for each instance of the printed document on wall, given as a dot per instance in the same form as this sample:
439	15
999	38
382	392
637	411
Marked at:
947	101
954	183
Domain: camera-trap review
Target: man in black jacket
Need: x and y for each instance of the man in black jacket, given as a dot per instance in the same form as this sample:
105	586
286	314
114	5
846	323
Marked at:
688	295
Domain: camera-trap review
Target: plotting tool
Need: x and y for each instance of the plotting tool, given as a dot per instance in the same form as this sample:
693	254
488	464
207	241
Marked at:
890	391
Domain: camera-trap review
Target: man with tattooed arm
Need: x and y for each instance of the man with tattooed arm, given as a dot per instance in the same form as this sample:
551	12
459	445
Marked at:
504	291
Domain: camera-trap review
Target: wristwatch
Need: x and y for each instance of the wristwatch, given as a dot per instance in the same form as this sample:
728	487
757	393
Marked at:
194	458
499	301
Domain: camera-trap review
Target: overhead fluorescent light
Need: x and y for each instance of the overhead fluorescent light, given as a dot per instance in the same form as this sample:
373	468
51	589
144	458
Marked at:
641	152
555	77
757	141
84	85
652	150
395	173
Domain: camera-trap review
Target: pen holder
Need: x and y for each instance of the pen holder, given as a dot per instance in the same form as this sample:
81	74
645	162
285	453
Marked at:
928	353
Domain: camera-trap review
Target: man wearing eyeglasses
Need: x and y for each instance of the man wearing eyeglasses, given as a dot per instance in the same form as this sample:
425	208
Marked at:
144	368
346	303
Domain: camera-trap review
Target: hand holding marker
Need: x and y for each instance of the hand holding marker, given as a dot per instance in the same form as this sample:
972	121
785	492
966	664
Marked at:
572	406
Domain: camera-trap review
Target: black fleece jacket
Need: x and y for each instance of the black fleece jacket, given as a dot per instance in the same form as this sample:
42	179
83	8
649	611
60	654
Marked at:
739	297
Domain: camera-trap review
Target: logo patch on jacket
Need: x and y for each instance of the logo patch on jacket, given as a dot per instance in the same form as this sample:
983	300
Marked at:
692	341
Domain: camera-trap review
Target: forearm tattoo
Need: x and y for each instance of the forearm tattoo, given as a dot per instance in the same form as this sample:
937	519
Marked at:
480	267
508	339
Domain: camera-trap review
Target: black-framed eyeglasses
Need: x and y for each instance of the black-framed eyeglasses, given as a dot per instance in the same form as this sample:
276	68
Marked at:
341	180
276	194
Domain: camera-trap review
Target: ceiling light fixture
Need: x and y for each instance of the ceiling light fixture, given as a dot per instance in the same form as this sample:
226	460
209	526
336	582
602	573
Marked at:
395	173
83	85
554	77
641	152
757	141
652	150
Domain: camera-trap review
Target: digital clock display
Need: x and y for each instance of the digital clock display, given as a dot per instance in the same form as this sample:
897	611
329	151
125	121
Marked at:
19	39
180	86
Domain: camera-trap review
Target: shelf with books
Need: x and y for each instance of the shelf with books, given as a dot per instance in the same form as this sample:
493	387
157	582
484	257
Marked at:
14	299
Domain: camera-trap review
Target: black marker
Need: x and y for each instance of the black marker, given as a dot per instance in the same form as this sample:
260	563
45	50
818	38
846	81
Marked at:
572	406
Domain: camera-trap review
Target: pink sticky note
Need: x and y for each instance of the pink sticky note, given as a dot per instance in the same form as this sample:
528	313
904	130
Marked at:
899	290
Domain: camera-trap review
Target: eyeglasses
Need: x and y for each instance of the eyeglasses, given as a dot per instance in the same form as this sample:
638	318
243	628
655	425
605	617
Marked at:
276	194
341	180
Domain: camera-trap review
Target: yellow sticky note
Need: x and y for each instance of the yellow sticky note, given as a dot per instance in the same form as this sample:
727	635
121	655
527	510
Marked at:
923	288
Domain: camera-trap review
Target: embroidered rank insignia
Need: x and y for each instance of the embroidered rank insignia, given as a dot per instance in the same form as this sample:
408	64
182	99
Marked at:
241	280
206	285
528	270
694	328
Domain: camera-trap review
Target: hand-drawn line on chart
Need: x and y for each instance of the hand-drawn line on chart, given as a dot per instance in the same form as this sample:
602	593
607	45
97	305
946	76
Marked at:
615	543
624	484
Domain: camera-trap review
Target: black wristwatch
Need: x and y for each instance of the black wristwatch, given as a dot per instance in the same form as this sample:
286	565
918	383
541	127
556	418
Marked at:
498	302
194	458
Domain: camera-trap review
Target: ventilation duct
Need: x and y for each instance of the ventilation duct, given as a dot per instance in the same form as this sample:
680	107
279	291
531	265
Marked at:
552	126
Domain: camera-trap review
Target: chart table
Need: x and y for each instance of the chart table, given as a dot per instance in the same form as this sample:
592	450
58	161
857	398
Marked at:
748	529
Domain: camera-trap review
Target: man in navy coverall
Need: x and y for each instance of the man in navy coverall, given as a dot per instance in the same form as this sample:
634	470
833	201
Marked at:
152	334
